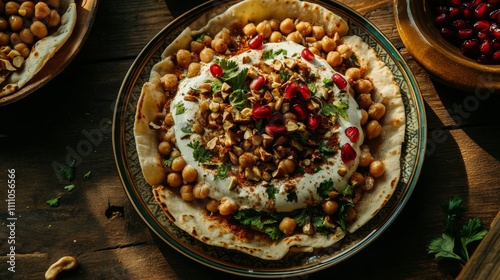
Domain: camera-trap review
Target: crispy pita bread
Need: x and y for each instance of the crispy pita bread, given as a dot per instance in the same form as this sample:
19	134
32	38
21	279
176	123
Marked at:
214	230
43	50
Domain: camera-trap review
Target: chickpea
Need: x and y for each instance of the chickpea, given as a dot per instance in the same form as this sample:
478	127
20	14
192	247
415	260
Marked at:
11	8
349	213
53	3
4	24
175	153
213	205
353	73
196	46
165	148
287	26
207	55
224	34
304	27
365	158
318	32
315	51
264	29
201	190
364	100
206	40
330	207
4	39
227	206
363	86
189	174
15	39
364	117
287	225
53	19
169	82
187	193
376	111
295	37
193	69
39	29
15	22
356	179
247	160
219	46
365	148
27	9
275	37
174	179
377	168
328	44
249	29
178	164
344	50
23	49
333	58
373	129
42	10
183	58
26	36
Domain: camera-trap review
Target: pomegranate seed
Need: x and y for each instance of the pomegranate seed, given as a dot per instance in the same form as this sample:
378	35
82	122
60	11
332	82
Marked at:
485	47
275	130
313	121
347	153
481	10
456	3
496	44
484	59
469	45
465	33
339	81
447	33
216	70
442	19
496	33
257	42
352	133
496	56
467	13
495	15
476	3
299	111
481	25
258	83
482	36
262	112
307	54
455	13
291	90
305	92
459	24
493	2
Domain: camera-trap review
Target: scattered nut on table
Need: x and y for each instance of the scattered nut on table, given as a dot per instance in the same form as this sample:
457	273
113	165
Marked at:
63	264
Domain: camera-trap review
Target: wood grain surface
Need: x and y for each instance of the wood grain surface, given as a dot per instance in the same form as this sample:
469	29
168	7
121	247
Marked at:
76	108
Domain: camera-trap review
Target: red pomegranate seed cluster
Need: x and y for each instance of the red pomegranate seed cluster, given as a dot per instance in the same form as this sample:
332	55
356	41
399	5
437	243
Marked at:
472	25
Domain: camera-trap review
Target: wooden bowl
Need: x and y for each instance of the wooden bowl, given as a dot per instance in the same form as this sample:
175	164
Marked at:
440	58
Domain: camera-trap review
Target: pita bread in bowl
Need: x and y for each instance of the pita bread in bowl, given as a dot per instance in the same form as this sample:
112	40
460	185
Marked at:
172	100
42	50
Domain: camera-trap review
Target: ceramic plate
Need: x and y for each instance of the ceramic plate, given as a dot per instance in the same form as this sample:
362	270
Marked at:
140	192
86	11
439	57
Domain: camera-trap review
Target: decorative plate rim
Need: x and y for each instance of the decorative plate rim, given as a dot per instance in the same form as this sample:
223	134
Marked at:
150	212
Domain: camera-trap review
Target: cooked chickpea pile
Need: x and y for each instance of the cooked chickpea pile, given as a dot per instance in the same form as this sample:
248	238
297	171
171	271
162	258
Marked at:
22	24
247	153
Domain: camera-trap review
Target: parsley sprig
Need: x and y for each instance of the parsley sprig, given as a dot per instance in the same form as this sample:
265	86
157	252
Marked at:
200	153
235	78
453	242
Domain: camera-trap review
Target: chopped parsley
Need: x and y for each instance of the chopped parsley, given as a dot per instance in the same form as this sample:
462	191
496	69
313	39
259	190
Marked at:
188	128
222	171
341	213
270	54
335	108
68	172
238	98
328	82
200	153
284	75
291	195
354	60
325	151
271	192
53	202
179	108
69	187
236	79
199	38
216	85
87	175
325	188
312	87
168	162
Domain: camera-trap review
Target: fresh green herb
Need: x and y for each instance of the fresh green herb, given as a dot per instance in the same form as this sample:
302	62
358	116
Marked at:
348	191
343	204
270	54
291	195
188	128
318	169
453	243
68	172
168	161
325	188
328	82
354	60
179	108
299	138
324	150
238	98
222	171
53	202
319	226
199	152
284	75
250	218
271	192
303	217
274	232
199	38
216	85
335	108
69	187
258	124
312	87
88	174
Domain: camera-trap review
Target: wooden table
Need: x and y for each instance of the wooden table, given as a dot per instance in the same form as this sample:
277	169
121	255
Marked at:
40	131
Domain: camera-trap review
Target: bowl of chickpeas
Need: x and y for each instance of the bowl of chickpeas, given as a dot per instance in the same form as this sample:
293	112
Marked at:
28	25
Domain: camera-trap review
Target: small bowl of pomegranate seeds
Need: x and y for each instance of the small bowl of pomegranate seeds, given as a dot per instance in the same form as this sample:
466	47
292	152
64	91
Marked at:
457	41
